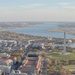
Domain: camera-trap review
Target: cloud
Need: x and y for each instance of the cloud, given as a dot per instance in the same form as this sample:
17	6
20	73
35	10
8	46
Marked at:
64	4
32	5
47	14
67	5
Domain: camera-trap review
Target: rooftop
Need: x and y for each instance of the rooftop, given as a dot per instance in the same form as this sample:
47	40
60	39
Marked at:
4	55
32	64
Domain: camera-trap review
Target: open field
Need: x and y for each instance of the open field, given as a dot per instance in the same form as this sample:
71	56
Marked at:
70	67
58	56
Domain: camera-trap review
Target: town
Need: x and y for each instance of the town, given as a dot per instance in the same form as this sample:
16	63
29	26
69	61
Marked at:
17	57
33	55
37	37
29	63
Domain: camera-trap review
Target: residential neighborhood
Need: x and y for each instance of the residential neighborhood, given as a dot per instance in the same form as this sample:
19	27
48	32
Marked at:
37	37
30	63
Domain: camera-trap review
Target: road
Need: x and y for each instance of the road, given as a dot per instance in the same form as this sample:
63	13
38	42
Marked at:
26	52
43	67
16	66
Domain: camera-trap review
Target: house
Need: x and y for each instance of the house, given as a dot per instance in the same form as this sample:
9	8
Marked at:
6	69
4	55
7	48
38	45
6	63
7	60
17	72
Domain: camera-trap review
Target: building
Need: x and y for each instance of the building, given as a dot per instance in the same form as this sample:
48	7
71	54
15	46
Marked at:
32	64
38	45
5	59
6	69
6	63
4	55
17	72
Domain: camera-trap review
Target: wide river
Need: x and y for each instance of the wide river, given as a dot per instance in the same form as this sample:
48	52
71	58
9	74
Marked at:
41	30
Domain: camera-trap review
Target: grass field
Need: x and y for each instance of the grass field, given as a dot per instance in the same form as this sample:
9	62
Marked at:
58	56
70	67
66	57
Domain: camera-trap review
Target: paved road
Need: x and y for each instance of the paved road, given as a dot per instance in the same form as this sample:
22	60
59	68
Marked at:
15	67
44	72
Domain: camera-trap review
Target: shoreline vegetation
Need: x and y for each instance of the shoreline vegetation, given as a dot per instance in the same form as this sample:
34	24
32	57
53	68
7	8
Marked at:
62	30
20	36
54	30
11	25
17	36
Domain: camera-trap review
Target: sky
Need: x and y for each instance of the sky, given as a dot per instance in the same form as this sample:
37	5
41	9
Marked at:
37	10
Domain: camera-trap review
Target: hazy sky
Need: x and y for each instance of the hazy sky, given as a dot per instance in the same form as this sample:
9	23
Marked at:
37	10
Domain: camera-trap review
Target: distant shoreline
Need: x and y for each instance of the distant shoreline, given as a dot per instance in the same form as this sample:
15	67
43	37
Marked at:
11	25
5	28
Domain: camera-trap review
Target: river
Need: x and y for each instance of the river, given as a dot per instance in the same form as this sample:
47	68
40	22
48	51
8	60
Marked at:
41	30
